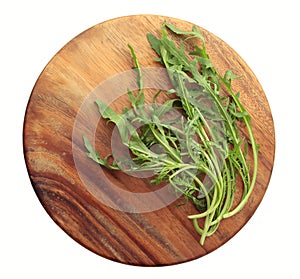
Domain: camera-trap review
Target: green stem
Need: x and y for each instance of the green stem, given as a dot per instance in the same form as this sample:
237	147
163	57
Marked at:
167	147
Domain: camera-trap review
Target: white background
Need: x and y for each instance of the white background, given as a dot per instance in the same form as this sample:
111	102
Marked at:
264	33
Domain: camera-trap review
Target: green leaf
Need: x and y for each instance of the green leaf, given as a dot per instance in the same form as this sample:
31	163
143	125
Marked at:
230	76
124	126
201	52
195	33
92	153
107	112
139	99
154	43
131	97
240	114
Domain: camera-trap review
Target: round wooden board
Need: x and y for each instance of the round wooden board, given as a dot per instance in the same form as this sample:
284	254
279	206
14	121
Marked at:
67	184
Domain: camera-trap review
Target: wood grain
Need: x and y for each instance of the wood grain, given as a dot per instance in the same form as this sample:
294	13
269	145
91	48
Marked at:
160	237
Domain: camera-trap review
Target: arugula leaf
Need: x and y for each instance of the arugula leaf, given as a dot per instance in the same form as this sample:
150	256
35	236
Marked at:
154	42
195	33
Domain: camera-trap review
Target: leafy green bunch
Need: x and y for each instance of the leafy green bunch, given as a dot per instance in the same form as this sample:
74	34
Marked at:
192	140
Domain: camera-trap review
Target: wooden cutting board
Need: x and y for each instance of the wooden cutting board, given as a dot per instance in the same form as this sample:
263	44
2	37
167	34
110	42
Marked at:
115	215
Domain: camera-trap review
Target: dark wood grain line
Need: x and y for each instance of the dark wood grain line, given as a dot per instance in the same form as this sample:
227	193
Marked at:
95	232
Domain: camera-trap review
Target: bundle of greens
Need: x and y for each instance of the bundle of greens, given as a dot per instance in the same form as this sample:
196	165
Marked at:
192	140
